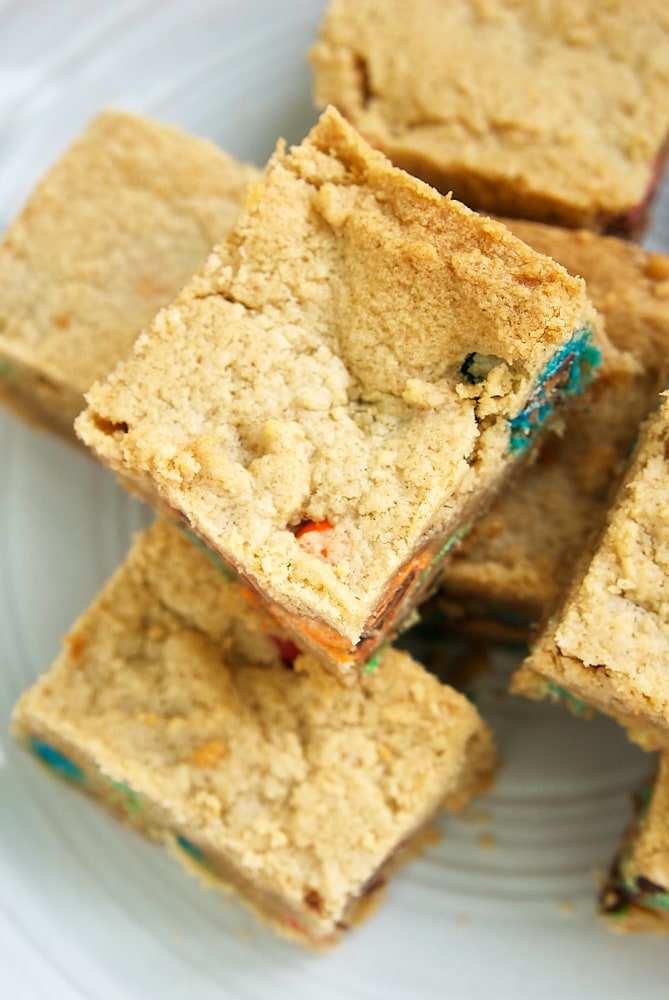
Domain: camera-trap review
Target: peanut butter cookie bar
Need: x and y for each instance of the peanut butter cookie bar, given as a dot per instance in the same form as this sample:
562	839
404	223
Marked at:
331	401
608	643
553	111
108	237
177	706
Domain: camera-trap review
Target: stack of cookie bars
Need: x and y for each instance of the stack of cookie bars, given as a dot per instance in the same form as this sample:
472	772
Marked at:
558	114
325	373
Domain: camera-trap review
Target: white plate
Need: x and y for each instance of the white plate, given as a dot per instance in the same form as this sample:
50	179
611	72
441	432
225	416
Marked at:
504	905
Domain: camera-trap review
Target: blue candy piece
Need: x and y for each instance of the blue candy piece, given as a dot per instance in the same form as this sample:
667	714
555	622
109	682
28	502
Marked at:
56	760
192	849
580	357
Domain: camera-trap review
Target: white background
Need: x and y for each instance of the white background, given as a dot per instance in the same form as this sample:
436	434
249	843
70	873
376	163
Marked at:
87	909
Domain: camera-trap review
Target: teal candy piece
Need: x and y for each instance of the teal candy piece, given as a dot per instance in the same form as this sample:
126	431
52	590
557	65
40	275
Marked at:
56	760
653	900
191	849
580	357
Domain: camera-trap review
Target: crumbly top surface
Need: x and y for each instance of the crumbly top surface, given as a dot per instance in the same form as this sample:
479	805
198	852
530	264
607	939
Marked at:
627	284
618	617
517	551
109	236
566	97
301	781
311	372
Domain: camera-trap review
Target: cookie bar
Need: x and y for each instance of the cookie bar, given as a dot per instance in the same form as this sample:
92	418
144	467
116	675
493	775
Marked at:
330	402
635	896
608	644
555	112
174	706
107	238
502	579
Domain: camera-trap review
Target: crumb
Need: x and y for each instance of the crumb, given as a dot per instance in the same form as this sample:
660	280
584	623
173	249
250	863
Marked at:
462	920
566	907
74	644
487	842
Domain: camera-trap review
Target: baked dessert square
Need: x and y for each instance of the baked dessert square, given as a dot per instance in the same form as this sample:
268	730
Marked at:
555	112
109	236
608	643
635	896
509	571
174	706
331	401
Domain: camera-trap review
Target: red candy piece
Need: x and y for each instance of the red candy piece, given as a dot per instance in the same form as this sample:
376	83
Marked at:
315	526
287	649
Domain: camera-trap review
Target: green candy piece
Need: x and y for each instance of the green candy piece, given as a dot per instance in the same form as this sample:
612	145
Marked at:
371	665
121	794
655	900
574	704
620	911
221	566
